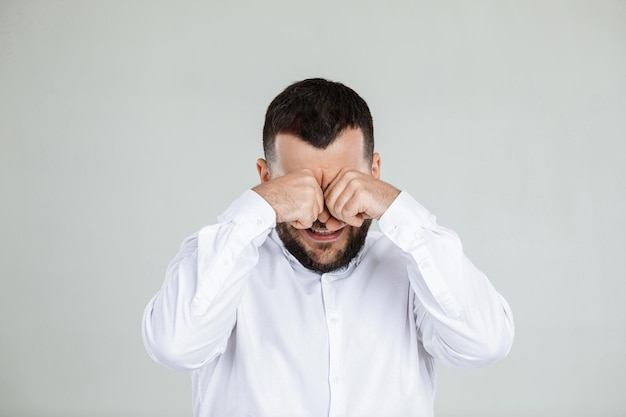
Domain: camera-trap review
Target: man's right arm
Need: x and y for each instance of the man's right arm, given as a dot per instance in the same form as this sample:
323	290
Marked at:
188	322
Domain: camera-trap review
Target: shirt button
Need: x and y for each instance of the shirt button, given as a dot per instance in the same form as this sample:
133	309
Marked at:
336	380
334	321
259	222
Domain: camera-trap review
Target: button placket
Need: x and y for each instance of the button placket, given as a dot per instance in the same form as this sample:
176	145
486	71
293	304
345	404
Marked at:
334	324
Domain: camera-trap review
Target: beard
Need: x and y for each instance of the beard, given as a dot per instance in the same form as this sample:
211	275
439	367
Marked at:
323	257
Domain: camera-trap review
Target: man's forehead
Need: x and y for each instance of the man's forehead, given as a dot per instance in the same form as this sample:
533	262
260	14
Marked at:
348	140
346	151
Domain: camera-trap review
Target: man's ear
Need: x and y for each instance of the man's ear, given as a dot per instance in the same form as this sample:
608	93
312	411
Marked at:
376	165
263	170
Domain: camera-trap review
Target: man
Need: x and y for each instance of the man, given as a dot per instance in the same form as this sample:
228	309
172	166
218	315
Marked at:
290	306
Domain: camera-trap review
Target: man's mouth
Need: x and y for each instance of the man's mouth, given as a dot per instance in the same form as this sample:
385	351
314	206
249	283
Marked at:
323	234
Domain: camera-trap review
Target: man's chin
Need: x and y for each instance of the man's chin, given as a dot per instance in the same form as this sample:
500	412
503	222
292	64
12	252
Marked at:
323	252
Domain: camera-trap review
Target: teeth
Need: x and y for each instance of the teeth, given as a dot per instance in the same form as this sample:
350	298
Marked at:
322	231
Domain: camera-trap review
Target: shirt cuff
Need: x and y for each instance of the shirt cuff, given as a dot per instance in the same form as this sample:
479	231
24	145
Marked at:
250	212
412	228
247	221
403	217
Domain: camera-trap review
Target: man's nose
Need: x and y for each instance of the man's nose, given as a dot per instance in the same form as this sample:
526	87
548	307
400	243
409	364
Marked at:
329	221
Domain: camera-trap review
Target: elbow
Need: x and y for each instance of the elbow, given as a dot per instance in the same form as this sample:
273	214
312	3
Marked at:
479	352
167	354
174	350
171	356
488	346
178	356
491	350
475	348
490	341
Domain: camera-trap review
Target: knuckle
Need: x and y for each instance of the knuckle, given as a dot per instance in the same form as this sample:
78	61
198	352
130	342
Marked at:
361	193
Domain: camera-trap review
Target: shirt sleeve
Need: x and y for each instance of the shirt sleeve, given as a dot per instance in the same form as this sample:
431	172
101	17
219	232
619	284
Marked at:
461	319
188	322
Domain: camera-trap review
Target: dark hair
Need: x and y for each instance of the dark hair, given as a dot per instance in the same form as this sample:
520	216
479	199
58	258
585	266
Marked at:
317	111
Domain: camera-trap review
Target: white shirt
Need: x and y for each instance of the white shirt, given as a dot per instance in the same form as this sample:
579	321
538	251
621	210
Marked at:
266	337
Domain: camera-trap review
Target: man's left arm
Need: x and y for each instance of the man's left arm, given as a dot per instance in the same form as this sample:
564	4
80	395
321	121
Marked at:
461	318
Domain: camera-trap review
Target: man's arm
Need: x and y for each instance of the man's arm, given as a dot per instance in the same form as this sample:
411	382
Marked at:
189	321
461	318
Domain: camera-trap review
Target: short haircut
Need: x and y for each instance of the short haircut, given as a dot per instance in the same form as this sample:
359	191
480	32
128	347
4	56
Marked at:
317	111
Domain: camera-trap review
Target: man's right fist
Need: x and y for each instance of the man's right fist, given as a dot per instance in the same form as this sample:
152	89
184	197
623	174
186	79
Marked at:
296	197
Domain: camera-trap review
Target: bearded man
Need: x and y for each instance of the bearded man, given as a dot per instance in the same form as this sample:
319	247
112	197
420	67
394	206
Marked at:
290	306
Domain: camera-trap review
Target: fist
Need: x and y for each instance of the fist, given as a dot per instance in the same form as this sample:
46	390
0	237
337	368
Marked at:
296	198
354	196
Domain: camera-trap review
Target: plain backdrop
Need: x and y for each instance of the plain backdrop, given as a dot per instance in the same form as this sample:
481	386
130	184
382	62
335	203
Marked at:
125	126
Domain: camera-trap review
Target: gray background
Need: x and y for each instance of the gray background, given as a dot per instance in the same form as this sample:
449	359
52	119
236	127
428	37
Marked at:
128	125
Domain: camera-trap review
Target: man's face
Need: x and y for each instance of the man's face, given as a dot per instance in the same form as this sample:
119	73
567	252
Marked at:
331	245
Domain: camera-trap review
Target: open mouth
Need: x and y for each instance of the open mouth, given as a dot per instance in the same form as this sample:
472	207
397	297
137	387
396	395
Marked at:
323	234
